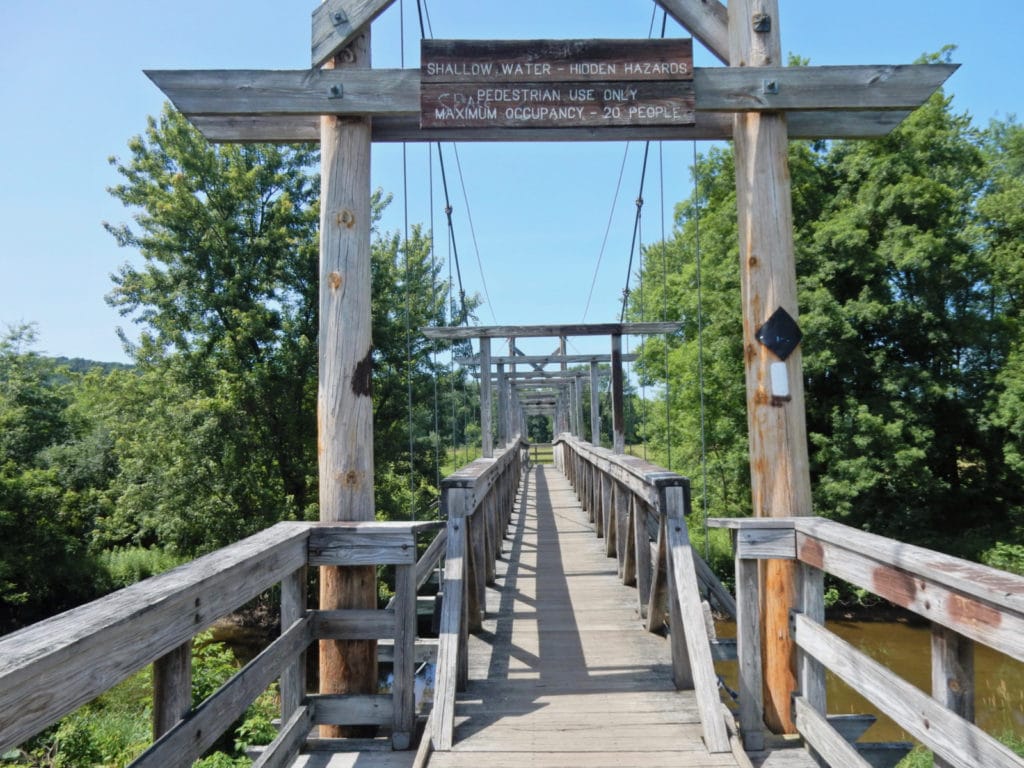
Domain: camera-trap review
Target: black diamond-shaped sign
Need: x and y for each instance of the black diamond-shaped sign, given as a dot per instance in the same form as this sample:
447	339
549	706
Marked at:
780	334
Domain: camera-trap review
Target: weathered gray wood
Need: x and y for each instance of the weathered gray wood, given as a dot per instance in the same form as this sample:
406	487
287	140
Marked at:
952	674
355	624
710	126
978	602
351	93
810	673
56	665
595	414
396	92
187	741
715	589
403	687
706	20
449	640
430	558
332	32
285	748
485	398
293	608
172	688
618	412
658	599
366	543
684	578
424	650
951	737
642	554
823	738
353	709
987	585
554	359
542	331
889	87
344	386
748	641
766	543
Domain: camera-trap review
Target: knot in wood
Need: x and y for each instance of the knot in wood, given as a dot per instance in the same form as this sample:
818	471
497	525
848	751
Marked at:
334	280
345	218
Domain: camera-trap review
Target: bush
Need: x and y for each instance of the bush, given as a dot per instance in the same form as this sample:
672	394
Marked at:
125	566
1008	557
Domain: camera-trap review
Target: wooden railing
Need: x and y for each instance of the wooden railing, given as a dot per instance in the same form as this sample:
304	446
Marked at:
478	502
51	668
966	603
630	502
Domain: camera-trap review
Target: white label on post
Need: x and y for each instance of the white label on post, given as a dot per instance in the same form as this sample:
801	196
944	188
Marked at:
780	380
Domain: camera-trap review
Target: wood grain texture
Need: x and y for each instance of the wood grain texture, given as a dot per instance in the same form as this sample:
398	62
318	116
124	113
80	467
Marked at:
952	675
709	126
951	737
824	739
187	741
332	33
172	689
449	636
366	543
748	641
56	665
293	677
285	748
344	402
487	438
404	667
353	709
706	20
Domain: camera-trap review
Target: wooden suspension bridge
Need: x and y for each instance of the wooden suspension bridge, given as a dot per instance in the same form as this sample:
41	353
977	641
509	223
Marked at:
573	625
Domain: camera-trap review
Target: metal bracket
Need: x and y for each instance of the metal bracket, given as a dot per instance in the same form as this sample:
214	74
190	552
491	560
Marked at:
762	23
769	86
336	91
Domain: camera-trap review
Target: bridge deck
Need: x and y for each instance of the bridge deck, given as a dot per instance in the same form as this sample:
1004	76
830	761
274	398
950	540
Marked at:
564	673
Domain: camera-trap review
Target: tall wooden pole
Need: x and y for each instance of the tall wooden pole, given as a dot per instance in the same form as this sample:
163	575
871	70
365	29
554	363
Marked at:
618	409
487	441
344	405
780	476
595	413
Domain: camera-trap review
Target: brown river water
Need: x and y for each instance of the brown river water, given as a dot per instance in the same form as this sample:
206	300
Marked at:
906	650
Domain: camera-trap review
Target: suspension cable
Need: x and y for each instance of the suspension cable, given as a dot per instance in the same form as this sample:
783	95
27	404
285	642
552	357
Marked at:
636	231
472	233
607	230
700	352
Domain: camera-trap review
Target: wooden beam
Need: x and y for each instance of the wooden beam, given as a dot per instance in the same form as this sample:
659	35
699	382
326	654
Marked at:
544	359
344	403
336	23
386	92
618	410
776	421
710	126
706	20
542	331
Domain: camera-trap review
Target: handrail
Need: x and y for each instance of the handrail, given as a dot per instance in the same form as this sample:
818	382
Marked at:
627	500
965	603
51	668
478	501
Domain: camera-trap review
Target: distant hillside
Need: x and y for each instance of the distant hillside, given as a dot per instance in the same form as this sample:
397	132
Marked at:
81	365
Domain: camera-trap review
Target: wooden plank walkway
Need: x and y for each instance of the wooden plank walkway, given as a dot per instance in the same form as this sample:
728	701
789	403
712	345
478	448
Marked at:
564	673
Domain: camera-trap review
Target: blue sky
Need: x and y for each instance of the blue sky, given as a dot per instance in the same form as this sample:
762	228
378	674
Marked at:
73	92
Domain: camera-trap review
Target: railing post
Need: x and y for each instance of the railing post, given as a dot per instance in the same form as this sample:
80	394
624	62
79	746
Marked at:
748	645
952	675
404	667
293	608
451	643
642	556
172	689
487	439
595	416
810	673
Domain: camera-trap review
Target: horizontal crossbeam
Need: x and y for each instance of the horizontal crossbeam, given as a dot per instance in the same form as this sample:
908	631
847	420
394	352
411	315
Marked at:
543	359
540	331
284	105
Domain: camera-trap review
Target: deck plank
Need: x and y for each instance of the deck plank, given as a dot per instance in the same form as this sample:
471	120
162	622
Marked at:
564	673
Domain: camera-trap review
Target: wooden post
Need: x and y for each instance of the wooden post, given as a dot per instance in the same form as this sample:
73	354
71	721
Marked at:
579	405
503	421
595	413
487	441
780	476
952	675
344	405
618	411
293	608
172	689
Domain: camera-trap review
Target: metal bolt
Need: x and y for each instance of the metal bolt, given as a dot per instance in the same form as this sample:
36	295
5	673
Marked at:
769	86
762	23
336	91
339	18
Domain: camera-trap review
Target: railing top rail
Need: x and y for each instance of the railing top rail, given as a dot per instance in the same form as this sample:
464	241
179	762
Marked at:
479	474
644	471
975	579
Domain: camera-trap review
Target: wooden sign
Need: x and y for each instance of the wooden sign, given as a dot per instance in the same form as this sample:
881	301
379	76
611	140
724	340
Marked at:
556	83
